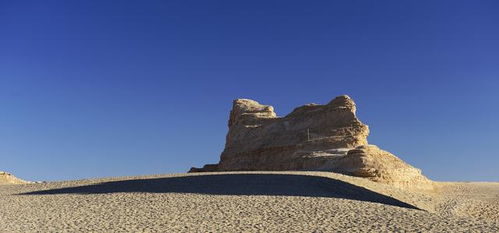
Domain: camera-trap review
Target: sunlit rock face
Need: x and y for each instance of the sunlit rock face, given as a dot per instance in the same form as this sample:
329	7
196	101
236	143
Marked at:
7	178
316	137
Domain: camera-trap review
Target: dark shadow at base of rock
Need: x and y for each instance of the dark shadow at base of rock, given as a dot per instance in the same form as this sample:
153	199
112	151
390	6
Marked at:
237	184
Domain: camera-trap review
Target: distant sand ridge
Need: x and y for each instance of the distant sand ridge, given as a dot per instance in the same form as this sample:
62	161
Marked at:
7	178
312	137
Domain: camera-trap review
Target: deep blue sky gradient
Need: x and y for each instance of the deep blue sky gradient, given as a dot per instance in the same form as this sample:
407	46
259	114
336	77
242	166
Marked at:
113	88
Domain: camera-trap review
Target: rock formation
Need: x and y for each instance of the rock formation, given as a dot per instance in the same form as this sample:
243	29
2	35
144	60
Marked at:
312	137
7	178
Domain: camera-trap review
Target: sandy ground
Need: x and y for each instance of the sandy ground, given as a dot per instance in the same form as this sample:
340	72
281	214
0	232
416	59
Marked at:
246	202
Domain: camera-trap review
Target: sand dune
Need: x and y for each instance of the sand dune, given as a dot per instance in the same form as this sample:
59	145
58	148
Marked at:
246	201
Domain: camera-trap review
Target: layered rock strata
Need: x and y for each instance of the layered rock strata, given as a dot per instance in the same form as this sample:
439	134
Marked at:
312	137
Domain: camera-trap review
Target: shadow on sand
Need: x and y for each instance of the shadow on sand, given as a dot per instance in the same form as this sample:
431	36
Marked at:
237	184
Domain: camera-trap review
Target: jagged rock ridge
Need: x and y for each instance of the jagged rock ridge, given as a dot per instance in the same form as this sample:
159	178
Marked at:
312	137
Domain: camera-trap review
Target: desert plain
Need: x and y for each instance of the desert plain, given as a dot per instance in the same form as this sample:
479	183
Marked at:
246	202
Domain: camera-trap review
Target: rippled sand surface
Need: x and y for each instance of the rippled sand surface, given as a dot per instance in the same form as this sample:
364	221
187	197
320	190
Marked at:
246	202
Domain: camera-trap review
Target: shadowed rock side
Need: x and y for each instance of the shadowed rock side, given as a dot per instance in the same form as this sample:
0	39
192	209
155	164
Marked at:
7	178
312	137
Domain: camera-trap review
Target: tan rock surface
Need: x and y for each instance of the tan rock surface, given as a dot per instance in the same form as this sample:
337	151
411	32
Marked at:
381	166
312	137
7	178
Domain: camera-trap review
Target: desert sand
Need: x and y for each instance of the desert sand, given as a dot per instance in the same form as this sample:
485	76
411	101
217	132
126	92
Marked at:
246	202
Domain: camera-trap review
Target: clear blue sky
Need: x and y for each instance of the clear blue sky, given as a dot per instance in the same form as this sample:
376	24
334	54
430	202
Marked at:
113	88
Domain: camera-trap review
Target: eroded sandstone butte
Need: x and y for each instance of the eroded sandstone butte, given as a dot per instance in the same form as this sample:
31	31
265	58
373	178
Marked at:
314	137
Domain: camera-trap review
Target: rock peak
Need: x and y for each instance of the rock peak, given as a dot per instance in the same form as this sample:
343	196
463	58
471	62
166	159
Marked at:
343	101
247	111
